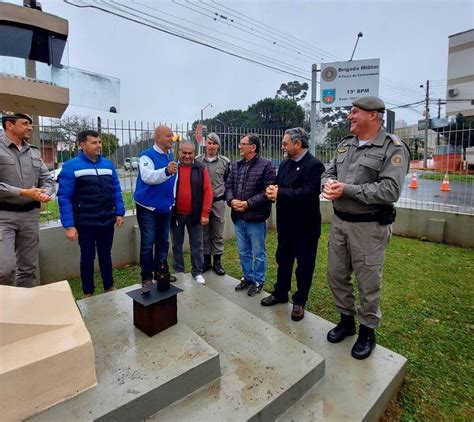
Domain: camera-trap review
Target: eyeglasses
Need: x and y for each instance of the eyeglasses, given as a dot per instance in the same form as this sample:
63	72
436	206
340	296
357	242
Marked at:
243	144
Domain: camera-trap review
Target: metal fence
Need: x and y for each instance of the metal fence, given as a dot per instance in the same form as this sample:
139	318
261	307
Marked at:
124	140
442	171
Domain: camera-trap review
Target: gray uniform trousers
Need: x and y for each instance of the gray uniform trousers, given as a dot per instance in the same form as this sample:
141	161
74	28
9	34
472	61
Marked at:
213	232
358	248
19	237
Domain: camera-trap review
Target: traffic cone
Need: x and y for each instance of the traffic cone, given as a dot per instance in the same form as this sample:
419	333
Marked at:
445	184
414	181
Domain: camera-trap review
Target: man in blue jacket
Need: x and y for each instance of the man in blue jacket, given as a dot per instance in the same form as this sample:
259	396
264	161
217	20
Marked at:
90	203
154	195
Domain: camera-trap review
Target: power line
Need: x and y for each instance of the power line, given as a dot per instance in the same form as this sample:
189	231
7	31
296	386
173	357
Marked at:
203	36
189	34
187	38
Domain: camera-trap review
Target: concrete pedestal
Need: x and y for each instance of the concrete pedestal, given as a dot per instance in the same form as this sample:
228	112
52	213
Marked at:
137	375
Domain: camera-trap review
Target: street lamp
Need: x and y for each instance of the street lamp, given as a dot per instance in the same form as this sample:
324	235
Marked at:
202	111
359	35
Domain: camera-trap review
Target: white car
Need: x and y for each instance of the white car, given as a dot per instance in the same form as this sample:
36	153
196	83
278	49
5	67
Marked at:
131	163
55	173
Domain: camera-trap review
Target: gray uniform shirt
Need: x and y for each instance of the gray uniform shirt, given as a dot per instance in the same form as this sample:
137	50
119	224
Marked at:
218	170
373	173
21	170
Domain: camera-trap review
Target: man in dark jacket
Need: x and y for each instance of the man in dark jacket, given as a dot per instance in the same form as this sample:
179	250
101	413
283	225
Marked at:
90	203
245	194
296	194
193	205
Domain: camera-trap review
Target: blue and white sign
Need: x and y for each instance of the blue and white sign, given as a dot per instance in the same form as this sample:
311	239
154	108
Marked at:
343	82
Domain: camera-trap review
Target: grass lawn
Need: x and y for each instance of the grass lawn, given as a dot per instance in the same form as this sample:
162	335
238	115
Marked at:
50	211
427	306
453	177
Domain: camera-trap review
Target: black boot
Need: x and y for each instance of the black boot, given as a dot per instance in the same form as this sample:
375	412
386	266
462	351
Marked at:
164	271
218	266
346	327
365	343
207	264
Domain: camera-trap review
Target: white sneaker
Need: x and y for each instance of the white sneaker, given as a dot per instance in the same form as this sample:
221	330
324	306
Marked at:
199	279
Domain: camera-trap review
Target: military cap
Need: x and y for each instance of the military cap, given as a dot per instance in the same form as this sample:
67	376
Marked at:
215	138
370	104
9	116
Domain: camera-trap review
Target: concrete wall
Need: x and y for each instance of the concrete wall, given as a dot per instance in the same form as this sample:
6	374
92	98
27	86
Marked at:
435	226
59	258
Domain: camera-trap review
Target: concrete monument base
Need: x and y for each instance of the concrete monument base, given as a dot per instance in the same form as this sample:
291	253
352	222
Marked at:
46	353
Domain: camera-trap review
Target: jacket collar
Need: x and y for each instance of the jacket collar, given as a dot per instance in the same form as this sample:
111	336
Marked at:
378	140
86	158
8	142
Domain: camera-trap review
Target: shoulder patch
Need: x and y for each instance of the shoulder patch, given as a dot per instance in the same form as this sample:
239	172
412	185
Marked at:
33	146
396	160
225	158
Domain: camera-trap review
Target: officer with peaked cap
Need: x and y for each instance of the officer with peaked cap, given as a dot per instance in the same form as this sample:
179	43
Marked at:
218	167
25	183
364	180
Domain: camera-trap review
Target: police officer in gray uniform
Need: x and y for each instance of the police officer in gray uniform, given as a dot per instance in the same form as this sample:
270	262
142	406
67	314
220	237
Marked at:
218	167
364	180
25	182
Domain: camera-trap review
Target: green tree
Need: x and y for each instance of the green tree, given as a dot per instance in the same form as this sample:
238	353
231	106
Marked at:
110	144
229	118
275	113
293	91
336	121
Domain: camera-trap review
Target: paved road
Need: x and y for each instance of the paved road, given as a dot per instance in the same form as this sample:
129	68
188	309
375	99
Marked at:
429	197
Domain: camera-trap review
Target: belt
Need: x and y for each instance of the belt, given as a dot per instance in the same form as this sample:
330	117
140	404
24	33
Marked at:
218	198
19	208
384	216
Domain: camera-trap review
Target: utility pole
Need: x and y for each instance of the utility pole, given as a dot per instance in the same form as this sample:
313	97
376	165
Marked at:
314	81
439	116
202	112
427	123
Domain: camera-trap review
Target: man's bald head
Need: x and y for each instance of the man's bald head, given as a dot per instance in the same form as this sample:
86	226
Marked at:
164	138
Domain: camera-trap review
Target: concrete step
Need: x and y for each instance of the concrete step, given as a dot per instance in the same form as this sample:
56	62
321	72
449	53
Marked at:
264	372
137	375
351	390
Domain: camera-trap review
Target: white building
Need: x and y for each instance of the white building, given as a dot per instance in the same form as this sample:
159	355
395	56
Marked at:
460	86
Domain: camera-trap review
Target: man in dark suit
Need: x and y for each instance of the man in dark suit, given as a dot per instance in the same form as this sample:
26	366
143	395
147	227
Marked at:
296	194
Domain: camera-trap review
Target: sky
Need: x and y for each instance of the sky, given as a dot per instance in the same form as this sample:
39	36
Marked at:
167	79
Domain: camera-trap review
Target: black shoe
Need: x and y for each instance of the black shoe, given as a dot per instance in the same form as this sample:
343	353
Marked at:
218	266
255	289
271	300
207	264
244	284
164	271
365	343
297	314
346	327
